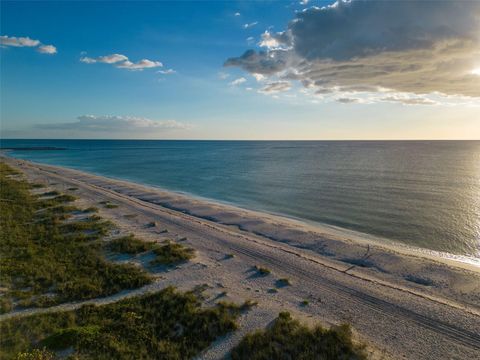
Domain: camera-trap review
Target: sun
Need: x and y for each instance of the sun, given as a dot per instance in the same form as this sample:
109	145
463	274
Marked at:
476	71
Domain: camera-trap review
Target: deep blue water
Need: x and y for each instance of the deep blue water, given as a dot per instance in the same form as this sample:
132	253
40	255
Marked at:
421	193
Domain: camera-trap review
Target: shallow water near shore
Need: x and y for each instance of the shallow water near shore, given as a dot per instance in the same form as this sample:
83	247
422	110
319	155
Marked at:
420	193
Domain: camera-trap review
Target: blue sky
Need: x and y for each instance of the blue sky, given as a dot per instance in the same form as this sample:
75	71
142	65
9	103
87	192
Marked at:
55	95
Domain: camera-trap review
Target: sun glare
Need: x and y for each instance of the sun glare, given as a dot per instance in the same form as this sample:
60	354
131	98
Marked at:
476	71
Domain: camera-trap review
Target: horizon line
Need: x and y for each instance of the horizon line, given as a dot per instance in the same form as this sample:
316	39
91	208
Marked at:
243	140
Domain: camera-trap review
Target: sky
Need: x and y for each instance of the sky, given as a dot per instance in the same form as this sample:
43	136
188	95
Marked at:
240	70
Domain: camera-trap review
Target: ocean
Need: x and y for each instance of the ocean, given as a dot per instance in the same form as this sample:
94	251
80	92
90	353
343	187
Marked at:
420	193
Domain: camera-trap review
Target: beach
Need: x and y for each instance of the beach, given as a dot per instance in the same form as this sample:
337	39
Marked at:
402	302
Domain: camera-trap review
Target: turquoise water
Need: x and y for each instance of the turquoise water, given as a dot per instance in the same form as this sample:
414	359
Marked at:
420	193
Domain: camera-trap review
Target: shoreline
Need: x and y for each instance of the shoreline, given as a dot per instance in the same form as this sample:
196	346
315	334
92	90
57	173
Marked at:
342	234
344	280
338	233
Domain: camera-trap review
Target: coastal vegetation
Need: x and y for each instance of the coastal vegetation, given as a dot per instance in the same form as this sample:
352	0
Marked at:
91	209
167	253
171	253
129	245
108	205
287	338
111	206
165	325
262	270
48	258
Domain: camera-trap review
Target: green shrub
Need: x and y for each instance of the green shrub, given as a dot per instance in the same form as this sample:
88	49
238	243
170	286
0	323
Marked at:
6	304
247	305
36	354
129	245
55	261
288	339
262	270
65	198
163	325
68	337
172	253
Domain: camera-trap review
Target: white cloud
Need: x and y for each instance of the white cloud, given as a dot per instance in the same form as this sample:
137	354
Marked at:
279	40
238	81
87	60
167	72
140	65
408	100
47	49
18	41
112	59
122	62
276	87
304	2
237	14
268	41
250	25
115	124
107	59
13	41
415	46
259	77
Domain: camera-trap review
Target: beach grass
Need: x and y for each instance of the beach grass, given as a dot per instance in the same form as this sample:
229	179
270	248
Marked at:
287	338
262	270
47	261
111	206
172	253
107	204
165	325
167	253
129	245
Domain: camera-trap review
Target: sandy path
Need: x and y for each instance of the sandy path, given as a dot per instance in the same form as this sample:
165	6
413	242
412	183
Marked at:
398	318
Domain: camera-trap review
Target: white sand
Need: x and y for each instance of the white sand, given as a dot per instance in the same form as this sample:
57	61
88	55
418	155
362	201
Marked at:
404	303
